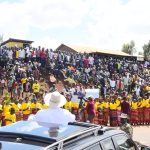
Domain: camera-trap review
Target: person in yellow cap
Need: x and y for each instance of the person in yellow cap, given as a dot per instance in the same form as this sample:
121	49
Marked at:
10	116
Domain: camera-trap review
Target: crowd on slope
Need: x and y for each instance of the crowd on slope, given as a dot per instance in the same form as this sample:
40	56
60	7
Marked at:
123	82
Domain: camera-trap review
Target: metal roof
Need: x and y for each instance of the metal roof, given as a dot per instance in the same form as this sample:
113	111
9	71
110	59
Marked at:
16	40
84	49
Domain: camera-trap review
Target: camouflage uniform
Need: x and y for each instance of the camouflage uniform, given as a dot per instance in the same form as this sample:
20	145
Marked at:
127	128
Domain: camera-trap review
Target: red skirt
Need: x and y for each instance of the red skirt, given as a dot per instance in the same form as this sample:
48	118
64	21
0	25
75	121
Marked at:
134	118
100	117
25	116
118	116
113	118
146	115
106	116
141	115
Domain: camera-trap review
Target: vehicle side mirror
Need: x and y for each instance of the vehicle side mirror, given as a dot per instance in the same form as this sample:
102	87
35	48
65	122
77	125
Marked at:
130	142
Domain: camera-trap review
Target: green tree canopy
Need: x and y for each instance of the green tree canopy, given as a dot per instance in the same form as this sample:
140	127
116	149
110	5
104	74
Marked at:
129	48
146	49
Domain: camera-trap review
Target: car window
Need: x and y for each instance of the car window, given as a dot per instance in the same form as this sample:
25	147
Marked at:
124	143
107	144
94	147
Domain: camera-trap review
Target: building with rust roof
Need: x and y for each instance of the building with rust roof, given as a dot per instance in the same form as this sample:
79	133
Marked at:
89	50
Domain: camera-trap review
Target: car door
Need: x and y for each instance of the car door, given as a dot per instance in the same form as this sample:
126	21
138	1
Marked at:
123	142
95	146
107	144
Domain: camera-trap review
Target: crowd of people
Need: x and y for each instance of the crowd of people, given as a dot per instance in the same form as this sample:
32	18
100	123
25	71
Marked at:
124	84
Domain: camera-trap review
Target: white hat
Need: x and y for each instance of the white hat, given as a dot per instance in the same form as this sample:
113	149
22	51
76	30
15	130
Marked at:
125	116
54	99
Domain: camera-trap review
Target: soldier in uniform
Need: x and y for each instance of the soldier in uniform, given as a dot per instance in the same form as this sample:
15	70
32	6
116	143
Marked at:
125	126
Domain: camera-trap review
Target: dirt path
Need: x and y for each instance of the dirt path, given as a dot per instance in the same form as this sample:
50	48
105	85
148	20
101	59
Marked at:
142	134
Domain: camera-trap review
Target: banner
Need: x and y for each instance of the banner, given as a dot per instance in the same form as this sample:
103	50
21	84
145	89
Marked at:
92	92
75	99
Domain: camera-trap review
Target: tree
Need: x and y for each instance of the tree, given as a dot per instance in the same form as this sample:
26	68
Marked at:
140	53
146	49
129	48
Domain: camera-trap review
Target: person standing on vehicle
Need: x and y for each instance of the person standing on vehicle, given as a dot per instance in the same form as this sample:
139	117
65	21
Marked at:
54	116
125	126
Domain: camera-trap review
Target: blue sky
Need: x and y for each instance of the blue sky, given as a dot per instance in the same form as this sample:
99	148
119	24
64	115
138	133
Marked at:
105	24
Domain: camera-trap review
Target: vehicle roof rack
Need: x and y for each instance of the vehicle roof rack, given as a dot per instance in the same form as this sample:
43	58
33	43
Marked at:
91	130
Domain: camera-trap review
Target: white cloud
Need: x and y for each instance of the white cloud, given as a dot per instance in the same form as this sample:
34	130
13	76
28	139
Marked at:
47	42
107	24
114	24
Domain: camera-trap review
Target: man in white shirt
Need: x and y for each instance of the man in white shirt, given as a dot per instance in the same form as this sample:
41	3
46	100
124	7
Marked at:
112	83
10	54
91	60
54	116
22	54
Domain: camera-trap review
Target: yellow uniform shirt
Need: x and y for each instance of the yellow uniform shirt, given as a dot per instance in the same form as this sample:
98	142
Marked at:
147	88
68	105
96	105
85	104
16	107
6	109
35	105
10	118
113	106
100	106
145	103
106	105
36	87
24	80
134	105
140	105
25	108
43	106
118	103
75	105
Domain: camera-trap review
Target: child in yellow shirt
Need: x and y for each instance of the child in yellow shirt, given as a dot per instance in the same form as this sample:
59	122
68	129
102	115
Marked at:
10	117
